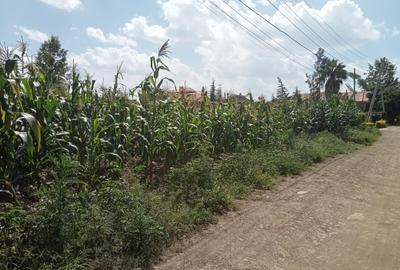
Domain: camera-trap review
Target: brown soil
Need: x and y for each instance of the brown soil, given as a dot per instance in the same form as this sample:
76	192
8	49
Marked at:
342	214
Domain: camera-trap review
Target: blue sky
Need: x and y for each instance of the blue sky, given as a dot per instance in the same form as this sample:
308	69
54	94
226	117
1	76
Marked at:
101	34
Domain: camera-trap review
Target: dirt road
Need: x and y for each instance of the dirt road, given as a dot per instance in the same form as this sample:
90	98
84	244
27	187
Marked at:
342	214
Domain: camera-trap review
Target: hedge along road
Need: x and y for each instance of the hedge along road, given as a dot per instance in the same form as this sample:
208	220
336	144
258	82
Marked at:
342	214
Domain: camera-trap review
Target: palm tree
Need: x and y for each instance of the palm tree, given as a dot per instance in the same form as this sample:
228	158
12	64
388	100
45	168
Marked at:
336	73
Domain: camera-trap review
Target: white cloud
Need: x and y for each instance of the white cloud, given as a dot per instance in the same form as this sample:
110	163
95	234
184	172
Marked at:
353	24
103	61
68	5
114	39
219	49
139	28
395	31
32	34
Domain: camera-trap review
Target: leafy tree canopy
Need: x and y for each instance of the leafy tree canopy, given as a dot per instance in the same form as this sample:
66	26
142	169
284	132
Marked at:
327	72
52	59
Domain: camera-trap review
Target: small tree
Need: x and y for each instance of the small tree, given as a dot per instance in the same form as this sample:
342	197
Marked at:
52	59
250	96
212	91
282	91
383	73
297	96
336	74
203	91
317	79
219	93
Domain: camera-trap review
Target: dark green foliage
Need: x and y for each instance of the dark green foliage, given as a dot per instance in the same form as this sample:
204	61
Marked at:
336	74
383	74
114	227
52	59
316	80
213	91
327	72
392	104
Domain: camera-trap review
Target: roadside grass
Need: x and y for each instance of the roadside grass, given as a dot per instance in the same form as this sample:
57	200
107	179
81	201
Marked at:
366	135
125	225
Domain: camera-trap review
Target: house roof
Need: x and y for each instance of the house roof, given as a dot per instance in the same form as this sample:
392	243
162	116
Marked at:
361	96
188	92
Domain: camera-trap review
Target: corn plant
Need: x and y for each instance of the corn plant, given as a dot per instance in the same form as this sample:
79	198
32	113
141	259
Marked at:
39	124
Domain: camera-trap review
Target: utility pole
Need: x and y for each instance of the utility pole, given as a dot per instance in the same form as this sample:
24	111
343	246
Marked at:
354	85
383	103
371	106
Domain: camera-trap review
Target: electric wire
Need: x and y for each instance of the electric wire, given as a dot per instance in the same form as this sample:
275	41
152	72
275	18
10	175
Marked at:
315	43
277	28
253	34
261	30
334	34
310	29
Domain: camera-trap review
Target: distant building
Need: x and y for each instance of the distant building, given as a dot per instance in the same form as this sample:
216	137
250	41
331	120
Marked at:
361	98
185	92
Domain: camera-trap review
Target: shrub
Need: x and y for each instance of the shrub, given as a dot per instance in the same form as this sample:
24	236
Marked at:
380	124
195	185
369	124
364	136
113	228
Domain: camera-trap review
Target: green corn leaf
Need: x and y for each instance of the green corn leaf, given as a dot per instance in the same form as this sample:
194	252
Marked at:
35	126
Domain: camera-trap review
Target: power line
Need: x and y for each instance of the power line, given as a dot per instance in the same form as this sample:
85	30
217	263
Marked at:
282	31
315	33
318	45
257	27
253	34
332	32
298	28
276	27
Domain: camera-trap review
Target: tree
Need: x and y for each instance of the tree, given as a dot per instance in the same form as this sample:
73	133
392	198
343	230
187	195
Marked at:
317	79
297	96
385	70
250	96
335	73
282	91
383	73
203	91
212	91
392	104
52	59
219	93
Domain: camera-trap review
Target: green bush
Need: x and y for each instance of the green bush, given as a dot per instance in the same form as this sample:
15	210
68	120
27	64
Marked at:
364	136
195	185
369	124
113	228
380	124
315	148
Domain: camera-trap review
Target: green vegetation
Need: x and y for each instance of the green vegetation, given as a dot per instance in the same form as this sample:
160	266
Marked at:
380	124
91	180
328	73
382	74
